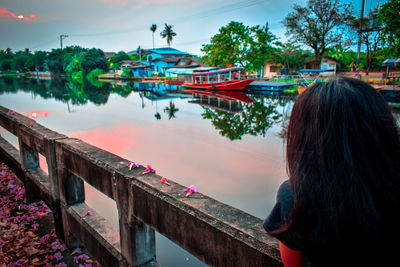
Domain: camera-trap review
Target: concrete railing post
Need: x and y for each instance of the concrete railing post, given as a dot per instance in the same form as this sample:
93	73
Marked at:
29	156
137	239
30	161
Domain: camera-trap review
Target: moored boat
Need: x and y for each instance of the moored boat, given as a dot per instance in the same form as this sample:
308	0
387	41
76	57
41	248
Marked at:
224	79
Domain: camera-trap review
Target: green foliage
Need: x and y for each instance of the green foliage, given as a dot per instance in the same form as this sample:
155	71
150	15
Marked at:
54	61
127	72
255	119
389	15
168	33
92	77
290	56
92	59
228	47
117	58
238	44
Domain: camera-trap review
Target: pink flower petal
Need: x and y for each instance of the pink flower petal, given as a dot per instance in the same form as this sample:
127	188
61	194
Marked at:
149	169
132	165
190	190
164	181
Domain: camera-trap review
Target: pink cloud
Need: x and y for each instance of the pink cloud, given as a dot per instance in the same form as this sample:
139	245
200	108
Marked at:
8	15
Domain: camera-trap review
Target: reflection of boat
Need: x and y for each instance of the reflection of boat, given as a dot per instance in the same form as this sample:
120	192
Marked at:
228	101
225	79
227	95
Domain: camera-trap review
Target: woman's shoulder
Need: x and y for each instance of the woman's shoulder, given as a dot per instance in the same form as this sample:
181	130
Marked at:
281	211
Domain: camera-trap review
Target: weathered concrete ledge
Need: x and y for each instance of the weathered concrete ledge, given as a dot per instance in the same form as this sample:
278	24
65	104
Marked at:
216	233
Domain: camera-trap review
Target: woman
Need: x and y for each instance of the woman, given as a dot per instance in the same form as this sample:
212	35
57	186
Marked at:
341	205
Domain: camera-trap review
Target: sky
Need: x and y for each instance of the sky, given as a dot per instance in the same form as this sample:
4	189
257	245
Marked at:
123	25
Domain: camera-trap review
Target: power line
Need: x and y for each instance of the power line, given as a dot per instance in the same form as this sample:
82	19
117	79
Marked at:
201	15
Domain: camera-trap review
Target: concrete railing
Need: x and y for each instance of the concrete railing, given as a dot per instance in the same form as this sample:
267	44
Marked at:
216	233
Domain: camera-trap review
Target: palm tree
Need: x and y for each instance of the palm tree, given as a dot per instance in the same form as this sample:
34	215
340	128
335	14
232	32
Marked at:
168	33
153	28
171	110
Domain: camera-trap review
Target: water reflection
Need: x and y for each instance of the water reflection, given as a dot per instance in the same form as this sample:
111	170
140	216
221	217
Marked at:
226	143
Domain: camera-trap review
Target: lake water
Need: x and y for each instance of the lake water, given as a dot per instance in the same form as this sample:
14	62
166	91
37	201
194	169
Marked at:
229	146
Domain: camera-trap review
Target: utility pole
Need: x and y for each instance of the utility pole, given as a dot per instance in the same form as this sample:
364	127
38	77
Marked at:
360	30
62	36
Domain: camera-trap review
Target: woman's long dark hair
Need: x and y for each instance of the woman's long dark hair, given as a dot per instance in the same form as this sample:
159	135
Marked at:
343	152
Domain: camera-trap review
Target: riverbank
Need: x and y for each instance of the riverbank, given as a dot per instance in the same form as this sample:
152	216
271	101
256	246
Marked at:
27	236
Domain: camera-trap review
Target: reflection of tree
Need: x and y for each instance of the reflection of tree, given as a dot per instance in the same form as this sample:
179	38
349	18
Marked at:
97	95
255	119
171	110
60	89
122	90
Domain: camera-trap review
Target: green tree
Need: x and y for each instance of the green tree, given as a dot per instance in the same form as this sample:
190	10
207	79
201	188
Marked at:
153	28
37	60
228	47
92	59
261	47
317	25
117	58
389	15
238	44
6	58
168	33
290	55
54	61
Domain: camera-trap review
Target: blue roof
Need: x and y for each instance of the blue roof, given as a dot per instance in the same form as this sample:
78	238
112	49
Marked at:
168	52
391	62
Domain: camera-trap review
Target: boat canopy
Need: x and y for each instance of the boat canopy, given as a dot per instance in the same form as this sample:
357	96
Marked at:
315	70
216	72
391	62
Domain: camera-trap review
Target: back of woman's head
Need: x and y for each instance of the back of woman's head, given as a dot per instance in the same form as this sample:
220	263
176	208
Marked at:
343	153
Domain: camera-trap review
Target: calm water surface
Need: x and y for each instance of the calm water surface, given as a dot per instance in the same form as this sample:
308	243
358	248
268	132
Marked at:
231	150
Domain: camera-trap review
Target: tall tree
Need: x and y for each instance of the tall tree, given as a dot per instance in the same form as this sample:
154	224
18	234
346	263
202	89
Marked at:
389	15
238	44
168	33
153	28
290	55
317	25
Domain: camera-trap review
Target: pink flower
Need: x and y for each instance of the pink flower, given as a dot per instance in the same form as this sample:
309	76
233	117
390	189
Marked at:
132	165
62	264
76	251
190	190
149	169
83	257
58	256
164	181
11	112
88	213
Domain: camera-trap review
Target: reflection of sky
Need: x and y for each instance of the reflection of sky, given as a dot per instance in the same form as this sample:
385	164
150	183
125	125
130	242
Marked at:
186	149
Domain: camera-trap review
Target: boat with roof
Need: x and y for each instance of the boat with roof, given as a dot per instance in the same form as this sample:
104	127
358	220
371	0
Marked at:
224	79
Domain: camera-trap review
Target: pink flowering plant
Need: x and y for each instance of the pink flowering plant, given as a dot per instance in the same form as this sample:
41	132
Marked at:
20	245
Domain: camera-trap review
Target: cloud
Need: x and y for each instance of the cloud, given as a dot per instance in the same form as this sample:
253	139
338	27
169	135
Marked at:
8	15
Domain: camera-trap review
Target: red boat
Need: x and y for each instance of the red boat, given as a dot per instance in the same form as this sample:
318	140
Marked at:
225	79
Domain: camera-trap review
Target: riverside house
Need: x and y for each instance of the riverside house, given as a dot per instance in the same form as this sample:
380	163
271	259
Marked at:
160	58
